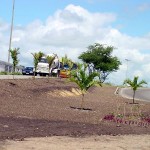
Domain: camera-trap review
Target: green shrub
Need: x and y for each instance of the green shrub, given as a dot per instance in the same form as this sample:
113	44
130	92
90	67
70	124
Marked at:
10	73
3	73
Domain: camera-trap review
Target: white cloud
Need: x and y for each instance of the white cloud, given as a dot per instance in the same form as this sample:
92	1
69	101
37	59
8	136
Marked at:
70	31
144	7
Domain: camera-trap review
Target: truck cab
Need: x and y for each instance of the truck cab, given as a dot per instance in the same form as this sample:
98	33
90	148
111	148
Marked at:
43	66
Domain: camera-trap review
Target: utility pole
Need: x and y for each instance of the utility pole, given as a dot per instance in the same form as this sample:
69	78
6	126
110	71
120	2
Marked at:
127	60
12	21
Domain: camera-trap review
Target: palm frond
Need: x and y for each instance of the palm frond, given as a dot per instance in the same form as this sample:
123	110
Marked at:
135	84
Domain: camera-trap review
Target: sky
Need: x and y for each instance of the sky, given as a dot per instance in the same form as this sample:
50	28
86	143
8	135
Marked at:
70	26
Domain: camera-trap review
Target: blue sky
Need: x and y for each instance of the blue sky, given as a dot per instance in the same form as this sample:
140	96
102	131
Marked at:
132	15
48	24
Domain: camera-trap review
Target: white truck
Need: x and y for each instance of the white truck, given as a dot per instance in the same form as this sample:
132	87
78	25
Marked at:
43	66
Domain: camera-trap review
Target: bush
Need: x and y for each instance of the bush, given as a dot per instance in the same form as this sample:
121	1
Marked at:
10	73
3	73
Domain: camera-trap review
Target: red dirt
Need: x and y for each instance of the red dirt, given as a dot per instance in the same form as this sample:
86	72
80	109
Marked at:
32	108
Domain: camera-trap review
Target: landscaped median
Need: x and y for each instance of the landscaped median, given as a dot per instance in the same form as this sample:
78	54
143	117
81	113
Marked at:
44	108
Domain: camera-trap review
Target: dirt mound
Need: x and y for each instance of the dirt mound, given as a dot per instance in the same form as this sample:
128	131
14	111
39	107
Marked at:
64	93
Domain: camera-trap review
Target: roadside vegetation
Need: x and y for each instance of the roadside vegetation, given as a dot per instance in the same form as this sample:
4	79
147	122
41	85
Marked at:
36	59
65	60
134	84
129	115
99	62
50	60
84	80
10	73
99	58
14	55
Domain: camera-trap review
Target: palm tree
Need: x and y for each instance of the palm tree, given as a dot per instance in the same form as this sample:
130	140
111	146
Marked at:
36	58
14	55
66	66
83	80
50	60
66	60
134	84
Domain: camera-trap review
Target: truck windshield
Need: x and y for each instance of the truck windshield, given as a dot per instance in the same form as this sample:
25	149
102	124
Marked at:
43	60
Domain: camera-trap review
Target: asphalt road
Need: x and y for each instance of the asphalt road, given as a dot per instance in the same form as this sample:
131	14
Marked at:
18	77
141	94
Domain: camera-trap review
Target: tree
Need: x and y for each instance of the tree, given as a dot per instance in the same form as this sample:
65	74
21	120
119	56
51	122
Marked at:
36	58
83	80
134	84
102	60
14	55
50	60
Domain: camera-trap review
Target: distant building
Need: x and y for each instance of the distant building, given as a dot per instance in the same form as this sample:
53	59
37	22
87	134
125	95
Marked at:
8	67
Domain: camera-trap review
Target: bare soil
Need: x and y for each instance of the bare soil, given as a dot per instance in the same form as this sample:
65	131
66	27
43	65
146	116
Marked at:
104	142
44	108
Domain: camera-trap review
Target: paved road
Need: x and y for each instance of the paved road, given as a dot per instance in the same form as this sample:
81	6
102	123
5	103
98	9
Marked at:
141	94
16	77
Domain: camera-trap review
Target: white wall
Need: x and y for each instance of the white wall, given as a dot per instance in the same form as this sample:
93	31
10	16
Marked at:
2	67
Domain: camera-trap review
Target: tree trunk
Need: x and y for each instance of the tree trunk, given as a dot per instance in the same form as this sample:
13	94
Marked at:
49	73
133	96
82	102
14	71
34	73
